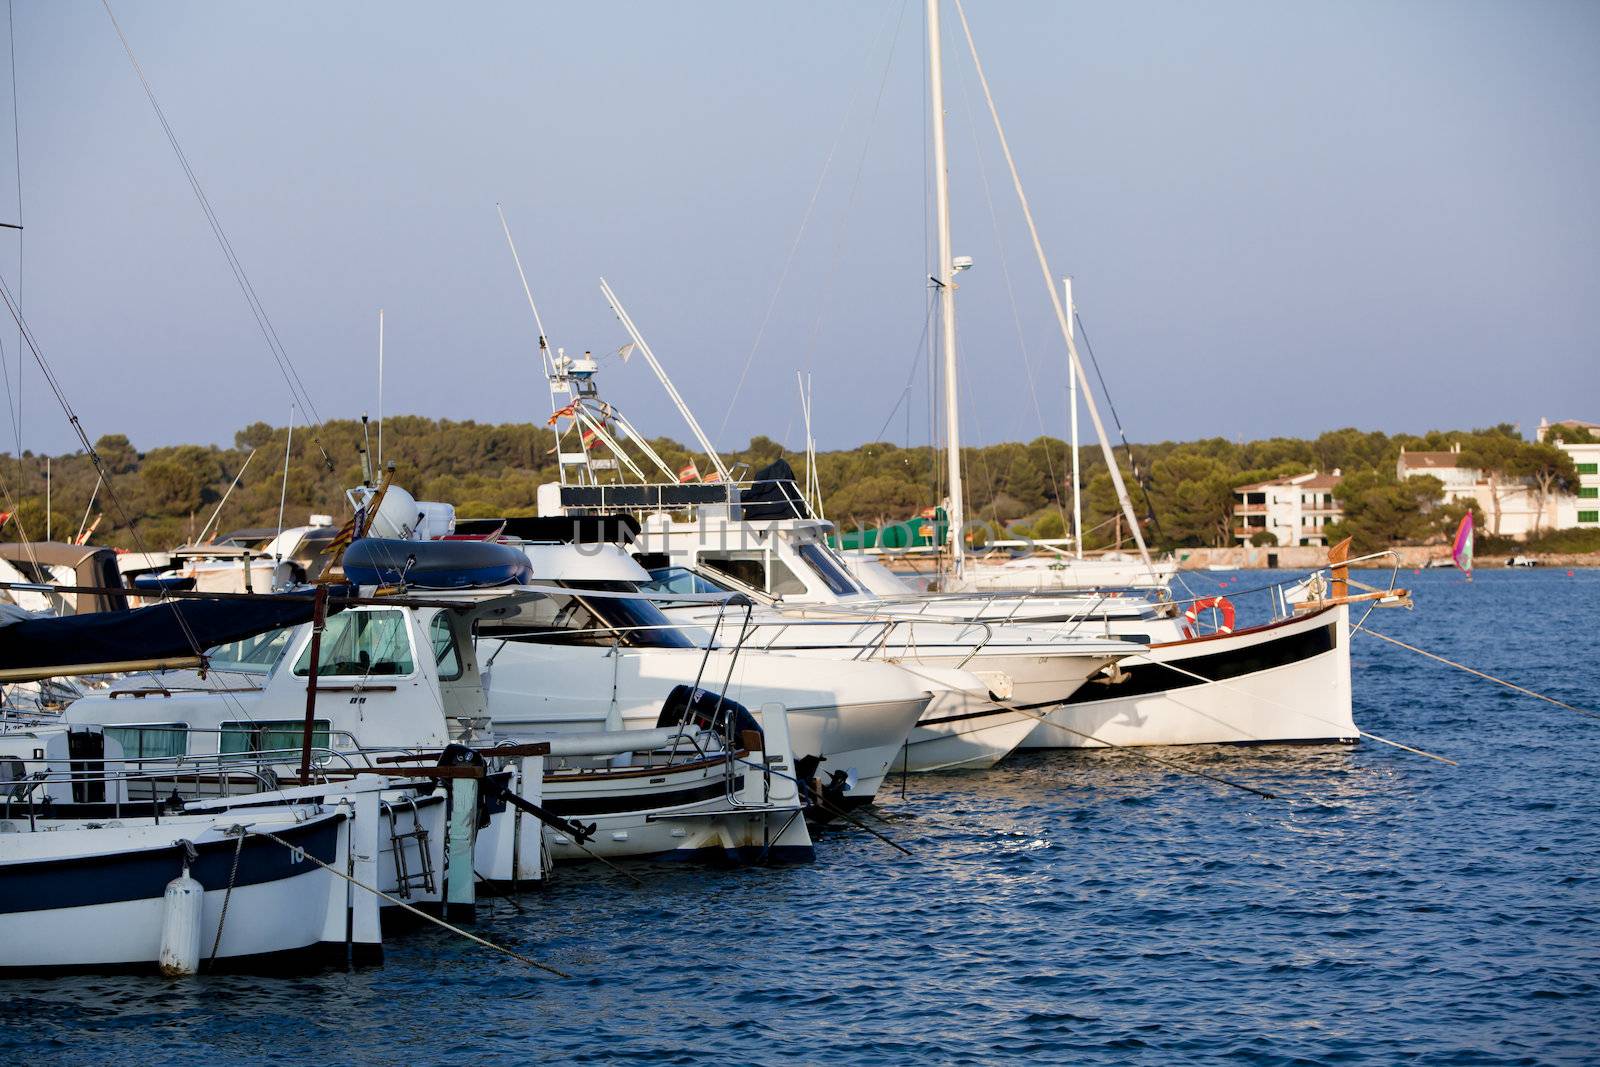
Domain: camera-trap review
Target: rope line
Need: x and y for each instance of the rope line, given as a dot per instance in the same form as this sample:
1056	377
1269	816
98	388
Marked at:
1481	674
1297	711
269	332
805	220
413	910
227	896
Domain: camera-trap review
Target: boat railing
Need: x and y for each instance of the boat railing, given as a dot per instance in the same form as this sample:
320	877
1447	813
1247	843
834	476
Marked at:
30	795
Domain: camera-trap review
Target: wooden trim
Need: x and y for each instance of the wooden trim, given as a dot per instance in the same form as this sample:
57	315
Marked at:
582	773
1263	628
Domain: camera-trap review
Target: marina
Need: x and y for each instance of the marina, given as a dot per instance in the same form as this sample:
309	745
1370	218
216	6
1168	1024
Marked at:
540	733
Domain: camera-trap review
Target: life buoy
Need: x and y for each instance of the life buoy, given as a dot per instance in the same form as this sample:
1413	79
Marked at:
1220	603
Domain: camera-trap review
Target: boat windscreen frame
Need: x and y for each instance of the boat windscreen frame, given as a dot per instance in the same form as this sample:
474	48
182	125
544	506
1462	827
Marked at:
625	621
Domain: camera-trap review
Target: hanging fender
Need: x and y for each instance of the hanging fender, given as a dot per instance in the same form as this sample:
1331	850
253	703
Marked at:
1191	617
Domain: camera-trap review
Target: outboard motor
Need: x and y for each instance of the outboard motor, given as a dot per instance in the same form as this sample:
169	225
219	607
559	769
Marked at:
693	706
455	755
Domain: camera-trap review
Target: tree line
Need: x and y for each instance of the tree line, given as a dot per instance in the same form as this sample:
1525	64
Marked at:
1183	491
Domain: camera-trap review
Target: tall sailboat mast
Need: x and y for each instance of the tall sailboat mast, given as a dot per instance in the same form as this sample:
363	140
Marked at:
945	279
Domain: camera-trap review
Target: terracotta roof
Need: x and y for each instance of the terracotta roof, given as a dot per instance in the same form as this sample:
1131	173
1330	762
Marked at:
1417	460
1316	481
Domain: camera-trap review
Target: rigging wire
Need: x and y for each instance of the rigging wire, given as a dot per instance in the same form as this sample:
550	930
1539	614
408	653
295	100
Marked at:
1142	480
124	516
840	230
1011	296
805	220
905	394
269	333
16	155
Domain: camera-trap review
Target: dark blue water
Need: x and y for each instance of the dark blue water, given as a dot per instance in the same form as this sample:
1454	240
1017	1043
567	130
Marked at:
1066	907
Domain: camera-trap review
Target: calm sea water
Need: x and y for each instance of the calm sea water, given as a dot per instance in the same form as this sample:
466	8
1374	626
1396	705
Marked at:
1066	907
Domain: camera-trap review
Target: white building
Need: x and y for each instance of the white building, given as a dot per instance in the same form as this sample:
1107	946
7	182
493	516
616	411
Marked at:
1583	509
1510	506
1293	510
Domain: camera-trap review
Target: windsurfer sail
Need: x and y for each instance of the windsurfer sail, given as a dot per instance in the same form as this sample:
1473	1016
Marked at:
1462	552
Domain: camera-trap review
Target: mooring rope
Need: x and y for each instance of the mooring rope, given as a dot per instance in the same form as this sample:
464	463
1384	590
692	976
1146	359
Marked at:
1481	674
1298	711
1141	754
227	896
415	911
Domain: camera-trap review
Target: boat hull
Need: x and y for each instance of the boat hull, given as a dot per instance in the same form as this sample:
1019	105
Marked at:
103	910
1281	683
717	810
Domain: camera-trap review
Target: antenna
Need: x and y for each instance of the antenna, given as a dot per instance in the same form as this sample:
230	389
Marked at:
380	388
666	383
283	494
207	527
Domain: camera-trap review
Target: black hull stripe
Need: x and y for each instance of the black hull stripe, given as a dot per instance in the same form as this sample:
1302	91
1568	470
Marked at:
1143	679
83	881
578	807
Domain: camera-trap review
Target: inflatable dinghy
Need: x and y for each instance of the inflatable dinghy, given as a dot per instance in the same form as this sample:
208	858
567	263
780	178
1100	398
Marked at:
435	564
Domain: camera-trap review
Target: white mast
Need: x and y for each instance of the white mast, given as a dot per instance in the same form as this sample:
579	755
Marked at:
666	383
1072	406
945	279
1055	299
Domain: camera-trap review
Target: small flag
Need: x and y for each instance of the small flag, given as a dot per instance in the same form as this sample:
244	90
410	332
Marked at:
690	473
346	534
5	517
590	437
568	412
1462	552
625	351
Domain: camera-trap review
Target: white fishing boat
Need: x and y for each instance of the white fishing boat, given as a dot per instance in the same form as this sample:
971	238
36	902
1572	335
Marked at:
245	887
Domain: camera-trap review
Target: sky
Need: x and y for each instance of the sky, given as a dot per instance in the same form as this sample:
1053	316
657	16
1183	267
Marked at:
1280	218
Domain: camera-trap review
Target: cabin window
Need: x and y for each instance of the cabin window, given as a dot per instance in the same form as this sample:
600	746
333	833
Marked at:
159	741
279	736
827	569
250	655
678	580
362	644
445	653
757	571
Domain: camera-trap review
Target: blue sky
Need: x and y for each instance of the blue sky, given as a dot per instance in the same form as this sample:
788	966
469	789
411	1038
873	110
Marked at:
1281	218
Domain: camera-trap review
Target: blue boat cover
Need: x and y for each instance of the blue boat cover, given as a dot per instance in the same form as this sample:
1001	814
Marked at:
435	564
773	494
162	631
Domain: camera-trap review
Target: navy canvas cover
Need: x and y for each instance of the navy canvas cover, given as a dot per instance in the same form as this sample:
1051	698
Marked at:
170	630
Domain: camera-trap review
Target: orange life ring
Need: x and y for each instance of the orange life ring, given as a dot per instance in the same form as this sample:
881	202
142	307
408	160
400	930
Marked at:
1219	603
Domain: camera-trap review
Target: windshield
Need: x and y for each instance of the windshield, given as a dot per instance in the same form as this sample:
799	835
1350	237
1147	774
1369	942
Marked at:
581	620
252	655
828	569
362	644
679	580
756	569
